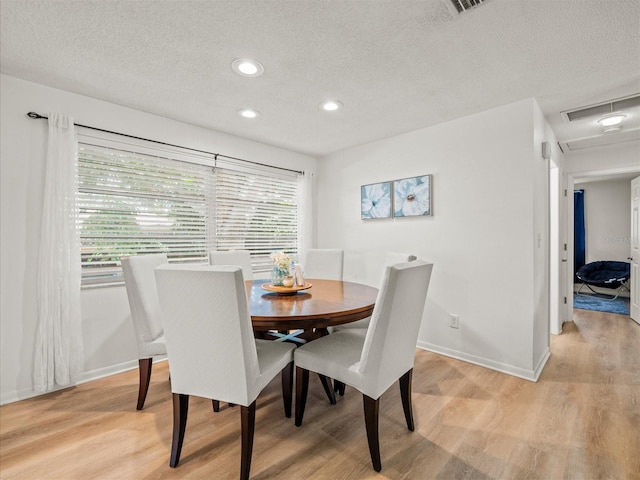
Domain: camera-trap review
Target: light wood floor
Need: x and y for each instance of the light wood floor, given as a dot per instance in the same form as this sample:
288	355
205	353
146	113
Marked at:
580	421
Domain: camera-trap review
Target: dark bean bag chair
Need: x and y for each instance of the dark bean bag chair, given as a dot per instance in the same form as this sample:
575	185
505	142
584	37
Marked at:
604	274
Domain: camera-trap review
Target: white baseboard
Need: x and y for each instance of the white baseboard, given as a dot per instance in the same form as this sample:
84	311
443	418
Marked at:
90	376
531	375
541	364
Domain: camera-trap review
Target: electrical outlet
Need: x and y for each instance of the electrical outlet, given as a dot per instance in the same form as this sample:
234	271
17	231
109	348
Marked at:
454	321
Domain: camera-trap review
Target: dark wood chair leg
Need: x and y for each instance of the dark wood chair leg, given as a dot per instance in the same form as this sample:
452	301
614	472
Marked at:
338	387
405	393
302	388
371	409
144	367
180	410
328	389
287	389
248	422
216	405
326	381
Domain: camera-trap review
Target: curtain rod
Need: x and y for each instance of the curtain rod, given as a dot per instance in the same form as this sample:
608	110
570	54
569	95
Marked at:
36	116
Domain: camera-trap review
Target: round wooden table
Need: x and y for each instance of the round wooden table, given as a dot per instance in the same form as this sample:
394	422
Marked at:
326	303
305	315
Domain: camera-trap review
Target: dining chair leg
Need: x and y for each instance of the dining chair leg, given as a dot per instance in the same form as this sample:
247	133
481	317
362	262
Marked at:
216	405
326	381
328	389
371	415
338	387
287	388
144	367
405	393
302	388
180	410
248	423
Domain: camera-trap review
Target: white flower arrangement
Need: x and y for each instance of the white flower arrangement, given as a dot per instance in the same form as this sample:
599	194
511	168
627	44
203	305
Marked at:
281	260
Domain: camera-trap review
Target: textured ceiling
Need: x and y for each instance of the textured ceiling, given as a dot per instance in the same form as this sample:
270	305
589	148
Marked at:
397	65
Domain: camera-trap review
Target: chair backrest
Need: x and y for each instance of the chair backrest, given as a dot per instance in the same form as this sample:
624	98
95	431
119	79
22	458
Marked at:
367	266
324	263
390	344
390	258
207	327
140	282
241	258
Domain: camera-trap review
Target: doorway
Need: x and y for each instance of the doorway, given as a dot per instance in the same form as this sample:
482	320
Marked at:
607	217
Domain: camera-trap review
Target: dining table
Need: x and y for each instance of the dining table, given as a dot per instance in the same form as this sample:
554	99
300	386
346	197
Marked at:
305	313
309	310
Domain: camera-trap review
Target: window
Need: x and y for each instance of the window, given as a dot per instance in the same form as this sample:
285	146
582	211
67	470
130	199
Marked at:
257	213
133	201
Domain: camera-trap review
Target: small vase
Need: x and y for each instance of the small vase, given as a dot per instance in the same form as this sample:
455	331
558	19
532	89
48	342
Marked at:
278	275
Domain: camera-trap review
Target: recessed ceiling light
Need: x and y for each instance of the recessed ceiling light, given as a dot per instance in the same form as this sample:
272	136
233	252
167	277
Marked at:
247	67
248	113
331	105
612	119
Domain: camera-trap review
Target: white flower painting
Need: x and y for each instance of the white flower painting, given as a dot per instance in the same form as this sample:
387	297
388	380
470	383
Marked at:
412	196
375	200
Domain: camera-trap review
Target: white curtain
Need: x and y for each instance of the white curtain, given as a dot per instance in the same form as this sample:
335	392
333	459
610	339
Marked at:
305	214
59	352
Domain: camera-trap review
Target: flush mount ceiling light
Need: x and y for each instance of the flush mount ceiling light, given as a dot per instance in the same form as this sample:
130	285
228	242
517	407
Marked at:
247	67
248	113
612	119
331	105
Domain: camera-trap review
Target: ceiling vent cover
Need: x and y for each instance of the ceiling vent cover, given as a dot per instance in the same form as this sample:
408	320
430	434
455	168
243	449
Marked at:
602	108
464	5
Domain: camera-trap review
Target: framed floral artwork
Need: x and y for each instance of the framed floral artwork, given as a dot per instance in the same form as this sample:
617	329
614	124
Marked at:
375	200
412	196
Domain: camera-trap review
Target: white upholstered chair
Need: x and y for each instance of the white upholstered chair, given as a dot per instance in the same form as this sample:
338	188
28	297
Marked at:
140	283
372	272
372	275
372	362
323	263
211	349
242	258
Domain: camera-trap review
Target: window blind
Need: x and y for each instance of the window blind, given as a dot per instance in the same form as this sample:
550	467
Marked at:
137	200
132	203
256	212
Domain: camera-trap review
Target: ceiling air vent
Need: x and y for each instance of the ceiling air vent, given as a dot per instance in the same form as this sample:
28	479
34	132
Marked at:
464	5
602	108
600	141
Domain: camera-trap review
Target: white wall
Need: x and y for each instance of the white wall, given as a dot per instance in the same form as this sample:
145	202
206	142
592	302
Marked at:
541	250
107	331
607	204
607	211
620	158
490	199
